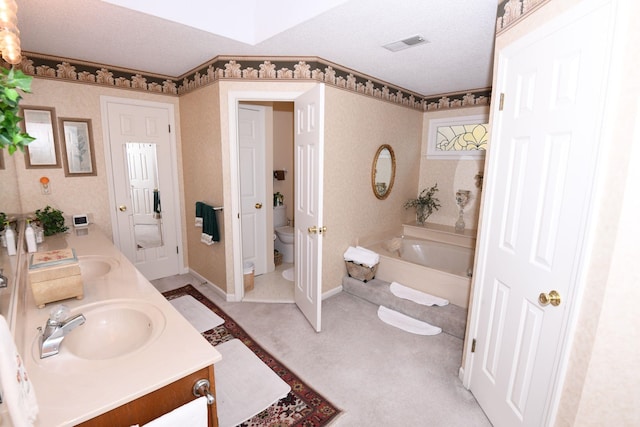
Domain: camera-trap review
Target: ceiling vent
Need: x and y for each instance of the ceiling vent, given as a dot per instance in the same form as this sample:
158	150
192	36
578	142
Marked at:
406	43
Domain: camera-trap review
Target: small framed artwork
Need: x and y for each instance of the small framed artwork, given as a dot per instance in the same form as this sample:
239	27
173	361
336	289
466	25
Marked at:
458	137
40	123
77	147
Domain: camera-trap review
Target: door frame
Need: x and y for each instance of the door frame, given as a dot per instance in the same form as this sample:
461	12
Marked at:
177	205
233	101
574	298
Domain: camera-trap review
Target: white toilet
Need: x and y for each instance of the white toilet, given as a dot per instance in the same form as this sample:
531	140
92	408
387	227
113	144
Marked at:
284	233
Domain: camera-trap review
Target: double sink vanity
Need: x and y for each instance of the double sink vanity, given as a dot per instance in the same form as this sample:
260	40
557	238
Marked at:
134	357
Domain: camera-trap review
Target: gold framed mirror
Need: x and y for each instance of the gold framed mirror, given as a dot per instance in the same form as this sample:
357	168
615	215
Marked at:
383	172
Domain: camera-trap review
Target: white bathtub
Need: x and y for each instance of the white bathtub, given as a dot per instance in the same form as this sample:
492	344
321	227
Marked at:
437	268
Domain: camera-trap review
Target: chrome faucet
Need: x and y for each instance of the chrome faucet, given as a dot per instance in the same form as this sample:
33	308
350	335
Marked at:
57	327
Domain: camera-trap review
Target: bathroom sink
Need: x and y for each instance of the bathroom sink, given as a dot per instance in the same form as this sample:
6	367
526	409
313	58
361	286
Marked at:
93	267
114	329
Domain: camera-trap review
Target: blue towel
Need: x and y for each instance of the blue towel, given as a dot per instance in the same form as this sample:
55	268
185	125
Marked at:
210	233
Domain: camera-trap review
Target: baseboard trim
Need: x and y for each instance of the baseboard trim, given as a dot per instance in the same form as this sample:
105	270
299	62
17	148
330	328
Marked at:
332	292
213	286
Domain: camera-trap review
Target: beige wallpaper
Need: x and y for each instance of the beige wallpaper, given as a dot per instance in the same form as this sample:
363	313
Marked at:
202	166
355	126
283	151
451	175
87	194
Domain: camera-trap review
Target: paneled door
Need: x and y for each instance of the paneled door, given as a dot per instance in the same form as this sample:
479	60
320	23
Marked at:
309	146
142	171
254	205
540	174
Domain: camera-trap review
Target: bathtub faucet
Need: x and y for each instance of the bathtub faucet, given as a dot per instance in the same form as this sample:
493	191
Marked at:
56	329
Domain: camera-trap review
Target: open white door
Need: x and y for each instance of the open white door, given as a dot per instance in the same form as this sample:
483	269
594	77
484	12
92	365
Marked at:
140	158
251	152
542	163
309	146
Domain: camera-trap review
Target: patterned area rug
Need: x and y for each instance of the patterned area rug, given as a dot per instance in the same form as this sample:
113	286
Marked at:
302	407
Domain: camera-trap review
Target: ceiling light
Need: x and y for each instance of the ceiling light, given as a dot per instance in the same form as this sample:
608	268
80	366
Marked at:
406	43
9	34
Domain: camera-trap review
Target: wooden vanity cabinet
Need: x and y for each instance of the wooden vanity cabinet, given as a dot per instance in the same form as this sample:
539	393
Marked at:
158	403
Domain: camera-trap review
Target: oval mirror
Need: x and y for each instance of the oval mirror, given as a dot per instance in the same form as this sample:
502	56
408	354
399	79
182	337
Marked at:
383	172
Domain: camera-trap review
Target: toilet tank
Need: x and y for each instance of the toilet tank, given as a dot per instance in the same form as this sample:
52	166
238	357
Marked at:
279	216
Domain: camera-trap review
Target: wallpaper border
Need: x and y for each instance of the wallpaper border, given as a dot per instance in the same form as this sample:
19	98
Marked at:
245	68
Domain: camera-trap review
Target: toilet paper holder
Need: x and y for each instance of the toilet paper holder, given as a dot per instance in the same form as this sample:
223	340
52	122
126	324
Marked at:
201	388
279	174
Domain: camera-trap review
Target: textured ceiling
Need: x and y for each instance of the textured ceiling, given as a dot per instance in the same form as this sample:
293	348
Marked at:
458	56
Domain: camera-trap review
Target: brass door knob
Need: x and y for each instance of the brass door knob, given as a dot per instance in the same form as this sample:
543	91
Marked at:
122	208
322	230
552	298
312	230
258	205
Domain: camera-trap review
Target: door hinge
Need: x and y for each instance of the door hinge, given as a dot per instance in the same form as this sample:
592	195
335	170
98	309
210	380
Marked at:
473	346
177	251
169	128
501	106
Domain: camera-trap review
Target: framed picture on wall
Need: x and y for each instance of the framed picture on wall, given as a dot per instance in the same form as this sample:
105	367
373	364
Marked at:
77	143
458	137
40	123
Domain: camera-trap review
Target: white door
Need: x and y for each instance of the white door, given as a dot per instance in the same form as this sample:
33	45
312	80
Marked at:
540	173
251	152
309	146
139	144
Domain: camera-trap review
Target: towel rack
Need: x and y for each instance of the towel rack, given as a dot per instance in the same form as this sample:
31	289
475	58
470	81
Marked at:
201	388
219	208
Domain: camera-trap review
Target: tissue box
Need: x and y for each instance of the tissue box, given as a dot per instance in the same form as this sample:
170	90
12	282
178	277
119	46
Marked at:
54	276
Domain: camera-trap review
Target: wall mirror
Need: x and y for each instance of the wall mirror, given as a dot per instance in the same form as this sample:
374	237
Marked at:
383	171
40	123
145	196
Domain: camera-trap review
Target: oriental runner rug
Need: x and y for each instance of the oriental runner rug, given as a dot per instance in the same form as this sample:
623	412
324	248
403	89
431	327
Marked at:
302	407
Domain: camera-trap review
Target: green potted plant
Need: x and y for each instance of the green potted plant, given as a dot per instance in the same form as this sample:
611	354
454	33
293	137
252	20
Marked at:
51	221
425	204
11	135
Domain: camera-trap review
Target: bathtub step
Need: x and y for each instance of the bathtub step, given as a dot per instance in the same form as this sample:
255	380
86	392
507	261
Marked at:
451	318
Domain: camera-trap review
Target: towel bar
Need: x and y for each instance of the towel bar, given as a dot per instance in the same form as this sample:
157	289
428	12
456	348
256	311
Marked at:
201	388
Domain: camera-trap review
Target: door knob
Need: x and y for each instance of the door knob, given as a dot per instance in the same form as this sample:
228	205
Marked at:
122	208
258	205
312	229
552	298
322	230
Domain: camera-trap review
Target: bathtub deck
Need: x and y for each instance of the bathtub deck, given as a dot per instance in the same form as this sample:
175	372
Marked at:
451	318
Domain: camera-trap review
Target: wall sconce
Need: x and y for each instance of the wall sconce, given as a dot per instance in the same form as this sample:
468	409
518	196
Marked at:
9	33
44	181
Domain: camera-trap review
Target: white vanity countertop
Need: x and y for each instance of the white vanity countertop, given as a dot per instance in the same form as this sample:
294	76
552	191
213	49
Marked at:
71	390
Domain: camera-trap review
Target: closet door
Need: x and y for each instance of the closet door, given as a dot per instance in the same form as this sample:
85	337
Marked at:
542	164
